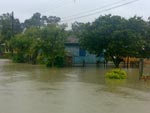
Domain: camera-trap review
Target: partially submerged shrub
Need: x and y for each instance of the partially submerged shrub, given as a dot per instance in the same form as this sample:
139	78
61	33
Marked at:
58	62
18	58
116	74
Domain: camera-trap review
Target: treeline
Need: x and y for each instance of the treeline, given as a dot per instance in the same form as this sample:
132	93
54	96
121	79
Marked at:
115	37
40	39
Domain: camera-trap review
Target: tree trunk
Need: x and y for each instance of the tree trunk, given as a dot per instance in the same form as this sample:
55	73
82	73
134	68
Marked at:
116	61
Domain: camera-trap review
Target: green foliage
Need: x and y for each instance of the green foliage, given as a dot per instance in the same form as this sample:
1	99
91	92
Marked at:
33	32
20	45
41	38
53	37
6	22
9	26
37	45
120	37
40	59
58	62
5	56
37	39
18	58
39	21
116	74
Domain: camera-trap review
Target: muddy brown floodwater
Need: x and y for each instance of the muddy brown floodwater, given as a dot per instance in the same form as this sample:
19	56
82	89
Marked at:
27	88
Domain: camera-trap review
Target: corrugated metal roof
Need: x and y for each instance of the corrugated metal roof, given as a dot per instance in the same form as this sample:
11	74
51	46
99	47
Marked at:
72	39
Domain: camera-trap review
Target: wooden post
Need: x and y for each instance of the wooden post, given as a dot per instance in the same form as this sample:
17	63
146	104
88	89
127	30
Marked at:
141	64
127	62
83	63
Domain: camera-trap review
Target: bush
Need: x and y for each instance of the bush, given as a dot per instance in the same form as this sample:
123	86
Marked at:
5	55
116	74
58	62
40	59
18	58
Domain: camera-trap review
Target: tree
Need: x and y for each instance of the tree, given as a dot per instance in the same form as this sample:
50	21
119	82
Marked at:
124	43
34	21
9	26
20	44
33	32
27	45
52	37
53	20
78	28
39	21
118	36
34	35
145	52
140	28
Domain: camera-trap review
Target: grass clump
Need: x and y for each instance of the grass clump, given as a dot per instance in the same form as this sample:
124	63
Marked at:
116	74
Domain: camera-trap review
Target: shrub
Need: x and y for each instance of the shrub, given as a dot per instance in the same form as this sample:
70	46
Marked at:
116	74
5	55
58	62
18	58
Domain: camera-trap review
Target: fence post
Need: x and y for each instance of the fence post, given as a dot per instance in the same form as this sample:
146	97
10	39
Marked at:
141	64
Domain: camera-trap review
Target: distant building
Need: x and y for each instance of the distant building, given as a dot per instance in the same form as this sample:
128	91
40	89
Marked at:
77	55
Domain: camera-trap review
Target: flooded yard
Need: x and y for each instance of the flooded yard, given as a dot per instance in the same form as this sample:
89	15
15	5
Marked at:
28	88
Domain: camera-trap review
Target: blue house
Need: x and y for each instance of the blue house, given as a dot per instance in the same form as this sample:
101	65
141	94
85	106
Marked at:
77	55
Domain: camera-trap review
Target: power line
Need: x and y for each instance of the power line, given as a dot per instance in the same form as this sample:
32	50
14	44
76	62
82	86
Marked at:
108	5
62	5
104	10
114	7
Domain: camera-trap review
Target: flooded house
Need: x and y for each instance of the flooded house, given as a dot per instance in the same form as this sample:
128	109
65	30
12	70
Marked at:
77	55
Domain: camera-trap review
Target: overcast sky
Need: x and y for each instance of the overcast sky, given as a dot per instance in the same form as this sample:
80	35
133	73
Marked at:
24	9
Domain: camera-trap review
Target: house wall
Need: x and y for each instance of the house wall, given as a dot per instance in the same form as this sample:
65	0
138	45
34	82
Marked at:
72	50
79	55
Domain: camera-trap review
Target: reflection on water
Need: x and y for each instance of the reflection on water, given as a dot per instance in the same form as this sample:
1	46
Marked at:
27	88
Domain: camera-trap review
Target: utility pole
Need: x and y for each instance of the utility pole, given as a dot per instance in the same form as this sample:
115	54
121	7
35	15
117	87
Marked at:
12	24
12	30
